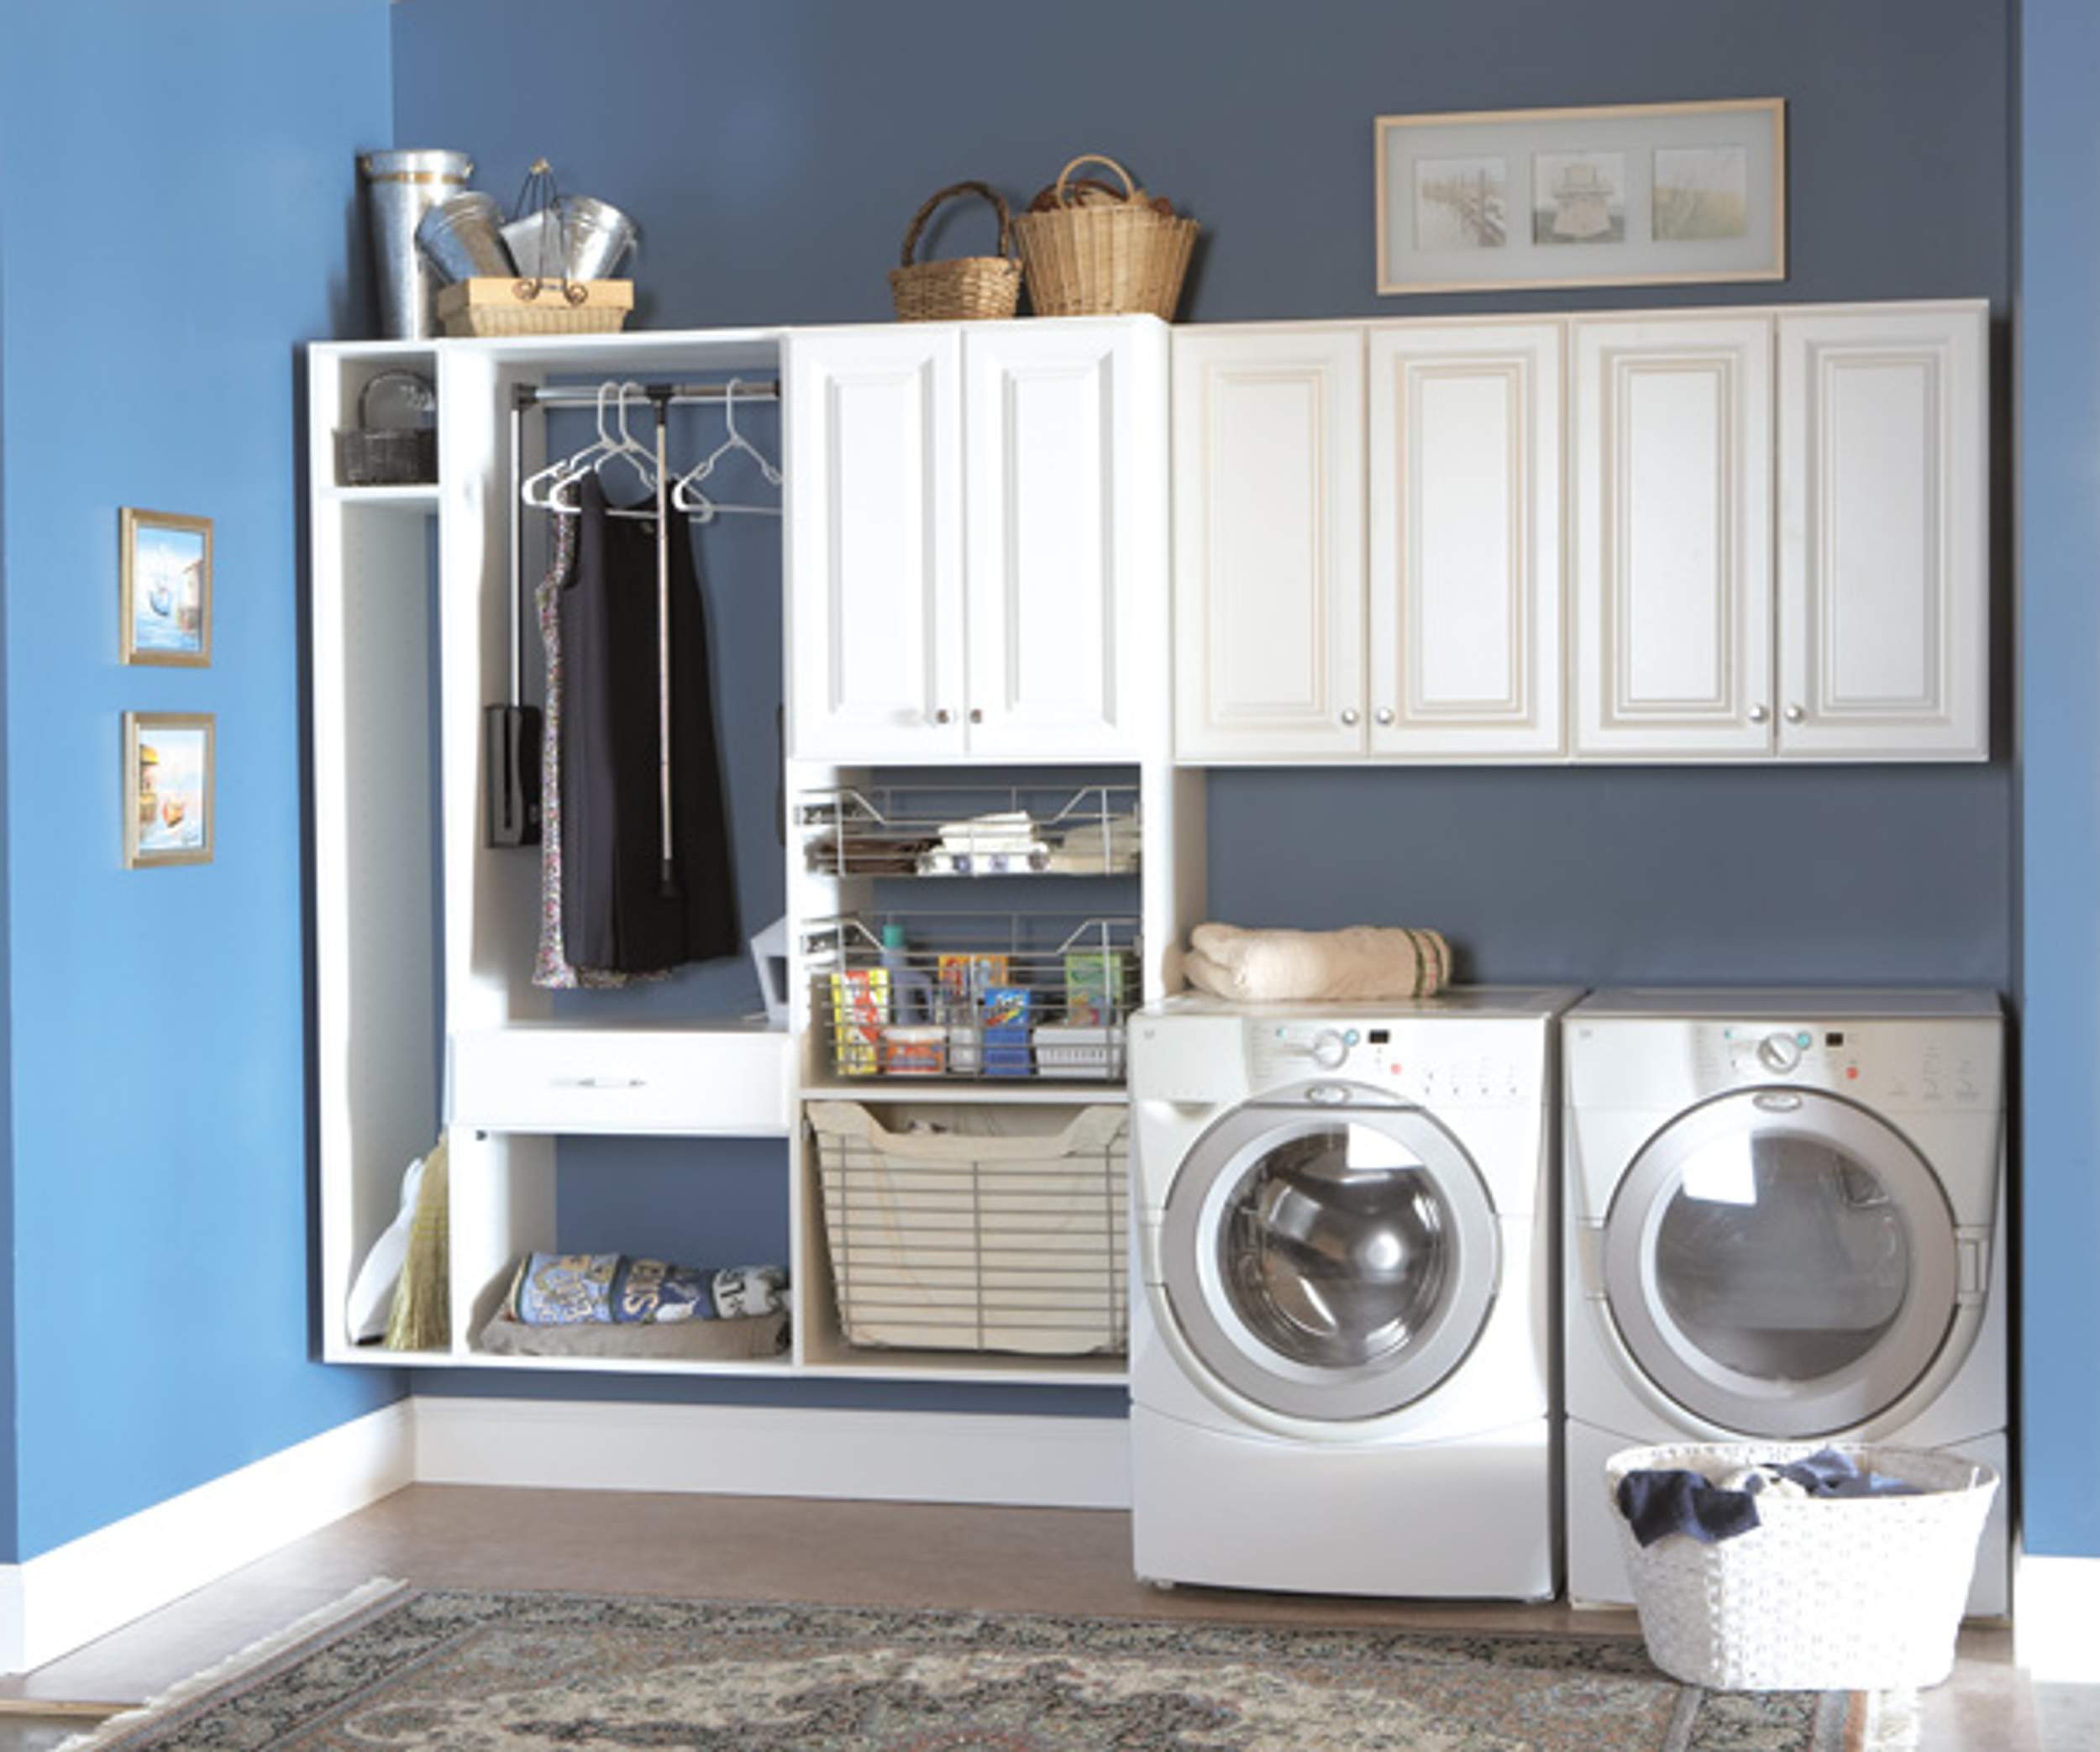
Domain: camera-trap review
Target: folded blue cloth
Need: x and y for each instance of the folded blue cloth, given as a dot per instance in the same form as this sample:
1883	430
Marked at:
578	1289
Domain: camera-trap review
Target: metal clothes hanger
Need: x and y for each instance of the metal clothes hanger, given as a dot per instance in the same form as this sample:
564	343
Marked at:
687	496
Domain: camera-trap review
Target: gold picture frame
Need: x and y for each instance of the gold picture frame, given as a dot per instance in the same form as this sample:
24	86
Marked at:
1629	194
171	803
165	605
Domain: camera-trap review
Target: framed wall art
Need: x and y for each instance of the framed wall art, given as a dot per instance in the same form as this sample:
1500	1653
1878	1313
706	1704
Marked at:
165	606
1649	194
170	759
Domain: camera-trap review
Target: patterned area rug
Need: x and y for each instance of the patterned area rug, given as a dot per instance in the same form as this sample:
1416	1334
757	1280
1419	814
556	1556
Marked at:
404	1668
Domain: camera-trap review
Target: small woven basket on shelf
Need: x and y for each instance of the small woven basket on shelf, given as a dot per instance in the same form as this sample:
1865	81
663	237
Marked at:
1853	1593
1089	252
966	288
495	306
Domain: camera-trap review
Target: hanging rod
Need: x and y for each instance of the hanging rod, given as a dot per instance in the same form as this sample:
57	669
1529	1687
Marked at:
586	395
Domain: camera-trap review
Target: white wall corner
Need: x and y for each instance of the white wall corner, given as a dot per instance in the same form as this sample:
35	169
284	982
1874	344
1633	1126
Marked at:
775	1451
2055	1605
55	1602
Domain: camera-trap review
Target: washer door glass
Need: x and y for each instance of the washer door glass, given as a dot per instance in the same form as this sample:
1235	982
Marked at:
1330	1265
1782	1263
1336	1248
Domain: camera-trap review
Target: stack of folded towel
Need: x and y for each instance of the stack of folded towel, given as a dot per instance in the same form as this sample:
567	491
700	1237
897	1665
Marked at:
1106	846
1298	967
1659	1502
1003	844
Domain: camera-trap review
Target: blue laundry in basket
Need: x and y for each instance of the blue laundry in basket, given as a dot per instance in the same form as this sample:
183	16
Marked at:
1659	1503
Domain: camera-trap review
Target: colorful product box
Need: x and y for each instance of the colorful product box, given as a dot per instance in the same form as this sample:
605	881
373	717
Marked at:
860	1011
1094	988
968	979
1006	1010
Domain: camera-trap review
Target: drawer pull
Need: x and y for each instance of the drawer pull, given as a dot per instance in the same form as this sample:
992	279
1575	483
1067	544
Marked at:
608	1083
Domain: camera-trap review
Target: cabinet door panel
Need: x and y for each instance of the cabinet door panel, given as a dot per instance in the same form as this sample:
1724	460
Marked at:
1268	543
874	543
1672	537
1465	515
1068	563
1883	551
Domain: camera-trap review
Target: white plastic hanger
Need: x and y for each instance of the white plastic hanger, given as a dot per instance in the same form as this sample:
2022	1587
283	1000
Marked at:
548	488
686	495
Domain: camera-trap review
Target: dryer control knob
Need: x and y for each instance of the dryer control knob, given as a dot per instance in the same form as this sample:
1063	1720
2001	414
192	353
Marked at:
1329	1050
1780	1052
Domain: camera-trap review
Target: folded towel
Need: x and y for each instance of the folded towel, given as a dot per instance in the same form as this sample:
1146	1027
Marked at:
1294	967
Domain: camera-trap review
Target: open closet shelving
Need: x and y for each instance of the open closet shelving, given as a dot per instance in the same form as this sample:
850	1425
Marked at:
427	1017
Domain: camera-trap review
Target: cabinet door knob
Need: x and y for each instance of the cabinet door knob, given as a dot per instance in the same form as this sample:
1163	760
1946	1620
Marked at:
1348	713
943	716
977	714
1758	714
1795	715
1385	715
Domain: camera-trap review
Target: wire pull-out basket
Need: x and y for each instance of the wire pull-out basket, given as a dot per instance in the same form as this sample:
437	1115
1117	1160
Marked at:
976	1228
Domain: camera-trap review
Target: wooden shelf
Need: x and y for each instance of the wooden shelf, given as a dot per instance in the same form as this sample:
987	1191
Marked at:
421	496
1017	1092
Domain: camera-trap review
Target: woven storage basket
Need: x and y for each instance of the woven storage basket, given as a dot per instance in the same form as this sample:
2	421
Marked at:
1086	256
495	306
968	288
1861	1593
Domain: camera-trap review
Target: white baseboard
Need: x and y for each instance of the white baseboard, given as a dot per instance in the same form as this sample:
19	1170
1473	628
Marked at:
55	1602
2055	1604
768	1452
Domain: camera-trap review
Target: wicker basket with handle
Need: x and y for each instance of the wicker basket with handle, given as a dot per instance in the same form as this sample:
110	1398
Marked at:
1861	1593
966	288
1090	253
496	306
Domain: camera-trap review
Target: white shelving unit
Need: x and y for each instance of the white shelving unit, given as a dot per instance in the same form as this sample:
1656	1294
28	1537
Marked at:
427	1018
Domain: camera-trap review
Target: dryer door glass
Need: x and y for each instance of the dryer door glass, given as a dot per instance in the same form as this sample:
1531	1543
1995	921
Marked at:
1329	1266
1336	1247
1782	1263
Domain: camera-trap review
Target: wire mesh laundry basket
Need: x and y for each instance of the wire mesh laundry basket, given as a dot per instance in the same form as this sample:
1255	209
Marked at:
1856	1594
988	1236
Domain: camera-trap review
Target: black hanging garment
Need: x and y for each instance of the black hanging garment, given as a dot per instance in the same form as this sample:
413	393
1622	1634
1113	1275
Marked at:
619	911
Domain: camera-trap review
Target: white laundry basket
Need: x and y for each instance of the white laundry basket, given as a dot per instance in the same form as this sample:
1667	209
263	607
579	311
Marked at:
1855	1593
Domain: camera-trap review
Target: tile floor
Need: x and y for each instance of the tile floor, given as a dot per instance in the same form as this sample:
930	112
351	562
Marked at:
848	1553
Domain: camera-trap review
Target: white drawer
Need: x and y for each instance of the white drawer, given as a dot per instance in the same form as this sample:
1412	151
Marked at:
726	1082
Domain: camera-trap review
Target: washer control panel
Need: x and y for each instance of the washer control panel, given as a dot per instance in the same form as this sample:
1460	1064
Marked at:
1450	1063
1908	1065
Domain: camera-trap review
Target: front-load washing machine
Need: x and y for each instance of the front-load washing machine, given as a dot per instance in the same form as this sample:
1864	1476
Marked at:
1785	1219
1341	1364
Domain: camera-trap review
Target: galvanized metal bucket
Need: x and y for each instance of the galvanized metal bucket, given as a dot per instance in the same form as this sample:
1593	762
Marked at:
400	187
463	237
576	238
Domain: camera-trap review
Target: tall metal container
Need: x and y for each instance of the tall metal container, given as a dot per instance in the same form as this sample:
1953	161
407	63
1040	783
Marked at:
400	187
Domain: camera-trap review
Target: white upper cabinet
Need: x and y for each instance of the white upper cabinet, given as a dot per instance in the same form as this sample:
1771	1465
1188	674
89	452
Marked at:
1884	561
1066	473
1268	429
978	552
1671	535
875	468
1465	522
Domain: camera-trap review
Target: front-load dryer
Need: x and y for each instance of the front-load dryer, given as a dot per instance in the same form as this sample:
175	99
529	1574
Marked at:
1340	1363
1785	1221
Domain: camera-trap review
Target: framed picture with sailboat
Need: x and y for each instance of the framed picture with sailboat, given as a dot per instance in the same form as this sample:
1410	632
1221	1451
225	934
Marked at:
166	605
1647	194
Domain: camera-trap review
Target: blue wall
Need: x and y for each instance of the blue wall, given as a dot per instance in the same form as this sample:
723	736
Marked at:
774	154
2059	757
178	186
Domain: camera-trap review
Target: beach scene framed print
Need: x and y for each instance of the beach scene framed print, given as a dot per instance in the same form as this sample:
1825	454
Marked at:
169	761
165	608
1647	194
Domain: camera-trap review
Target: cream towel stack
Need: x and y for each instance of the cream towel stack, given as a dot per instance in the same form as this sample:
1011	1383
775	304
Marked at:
1298	967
